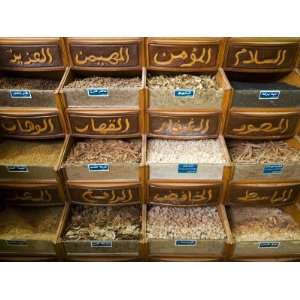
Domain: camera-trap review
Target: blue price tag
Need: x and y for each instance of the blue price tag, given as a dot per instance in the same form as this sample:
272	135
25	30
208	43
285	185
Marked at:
101	244
269	95
184	93
17	169
20	94
98	92
269	245
188	243
187	168
273	169
98	167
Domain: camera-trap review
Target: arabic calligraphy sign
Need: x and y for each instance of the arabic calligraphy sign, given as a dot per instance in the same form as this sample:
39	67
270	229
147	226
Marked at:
245	125
193	126
266	194
125	124
261	57
30	126
192	195
105	56
30	195
183	56
30	56
119	195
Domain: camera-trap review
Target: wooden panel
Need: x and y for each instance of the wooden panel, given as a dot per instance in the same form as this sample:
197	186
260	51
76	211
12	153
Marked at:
184	194
261	56
110	124
105	194
30	54
31	125
262	125
30	194
105	54
192	125
263	193
183	54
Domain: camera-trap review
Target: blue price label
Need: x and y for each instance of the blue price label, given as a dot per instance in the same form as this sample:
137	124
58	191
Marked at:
273	169
269	245
269	95
98	167
101	244
184	93
186	243
98	92
187	168
17	169
16	243
20	94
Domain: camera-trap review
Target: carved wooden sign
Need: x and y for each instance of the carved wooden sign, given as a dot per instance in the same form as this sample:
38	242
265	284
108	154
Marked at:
30	195
85	55
190	56
265	194
30	56
246	125
184	195
206	125
30	126
261	56
105	125
107	195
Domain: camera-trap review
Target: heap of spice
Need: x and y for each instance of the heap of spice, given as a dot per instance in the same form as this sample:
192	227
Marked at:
263	152
29	223
244	85
105	151
184	223
206	90
111	82
104	223
197	151
44	153
263	224
28	83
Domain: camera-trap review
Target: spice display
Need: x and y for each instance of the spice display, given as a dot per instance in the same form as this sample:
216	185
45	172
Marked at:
105	151
29	223
184	223
263	224
206	90
111	82
172	151
104	223
29	152
262	152
28	83
244	85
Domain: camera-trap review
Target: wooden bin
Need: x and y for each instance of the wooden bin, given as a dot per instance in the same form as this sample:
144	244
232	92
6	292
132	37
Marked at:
25	249
190	250
199	171
32	114
102	111
187	121
265	112
87	250
268	250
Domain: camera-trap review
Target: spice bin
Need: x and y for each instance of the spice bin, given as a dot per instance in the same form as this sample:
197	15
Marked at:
103	90
262	233
102	233
186	90
266	87
30	73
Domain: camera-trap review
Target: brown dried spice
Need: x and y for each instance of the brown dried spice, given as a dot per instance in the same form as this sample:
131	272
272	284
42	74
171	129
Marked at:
105	151
28	83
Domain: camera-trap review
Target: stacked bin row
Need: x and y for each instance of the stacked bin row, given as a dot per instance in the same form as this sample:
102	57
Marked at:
144	167
32	129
